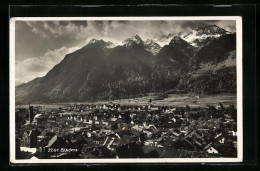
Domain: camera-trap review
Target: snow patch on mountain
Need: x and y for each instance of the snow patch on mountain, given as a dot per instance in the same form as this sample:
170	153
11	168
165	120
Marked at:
164	39
134	39
102	43
152	46
196	36
193	38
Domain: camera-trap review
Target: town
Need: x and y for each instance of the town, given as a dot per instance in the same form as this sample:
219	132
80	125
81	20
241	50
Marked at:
86	131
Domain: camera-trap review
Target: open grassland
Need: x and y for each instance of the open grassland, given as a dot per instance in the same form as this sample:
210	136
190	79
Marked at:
181	100
178	100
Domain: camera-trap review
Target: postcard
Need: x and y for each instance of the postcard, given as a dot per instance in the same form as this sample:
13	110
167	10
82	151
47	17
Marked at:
126	89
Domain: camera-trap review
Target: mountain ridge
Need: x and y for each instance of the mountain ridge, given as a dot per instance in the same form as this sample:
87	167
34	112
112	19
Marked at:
100	70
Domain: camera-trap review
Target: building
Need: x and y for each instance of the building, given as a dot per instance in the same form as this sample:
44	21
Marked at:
30	138
39	119
31	114
212	150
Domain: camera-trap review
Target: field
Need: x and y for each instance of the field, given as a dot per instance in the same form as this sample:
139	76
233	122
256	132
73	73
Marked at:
182	100
178	100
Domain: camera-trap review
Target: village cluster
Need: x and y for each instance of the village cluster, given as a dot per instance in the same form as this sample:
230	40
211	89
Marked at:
116	131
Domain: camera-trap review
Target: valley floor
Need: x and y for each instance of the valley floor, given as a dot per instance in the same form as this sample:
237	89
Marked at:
178	100
181	100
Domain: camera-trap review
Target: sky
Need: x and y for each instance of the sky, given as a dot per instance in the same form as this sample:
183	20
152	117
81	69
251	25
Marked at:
40	45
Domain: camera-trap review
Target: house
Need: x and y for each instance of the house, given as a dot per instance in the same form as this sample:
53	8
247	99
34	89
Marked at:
101	152
45	136
233	133
179	115
199	141
105	107
229	120
129	150
51	119
184	129
184	123
218	135
151	142
39	119
222	140
30	138
212	150
57	142
55	147
174	119
113	120
175	132
154	108
137	128
184	144
220	106
148	134
235	144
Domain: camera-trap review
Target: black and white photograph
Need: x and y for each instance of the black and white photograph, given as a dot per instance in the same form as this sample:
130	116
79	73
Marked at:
126	89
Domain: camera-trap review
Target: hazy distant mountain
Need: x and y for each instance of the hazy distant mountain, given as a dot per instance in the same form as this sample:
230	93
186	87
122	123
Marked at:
102	70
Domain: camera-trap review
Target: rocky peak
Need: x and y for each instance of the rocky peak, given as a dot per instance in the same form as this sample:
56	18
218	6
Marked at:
198	35
134	39
101	42
152	46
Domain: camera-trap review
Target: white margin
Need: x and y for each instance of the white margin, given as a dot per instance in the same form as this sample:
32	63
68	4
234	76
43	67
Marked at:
239	158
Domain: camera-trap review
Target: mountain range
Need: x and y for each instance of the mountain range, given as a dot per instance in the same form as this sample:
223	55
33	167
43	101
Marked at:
201	61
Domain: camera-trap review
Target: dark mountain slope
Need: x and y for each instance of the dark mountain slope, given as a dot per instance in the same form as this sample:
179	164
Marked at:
172	56
217	50
129	70
24	92
183	46
170	64
64	81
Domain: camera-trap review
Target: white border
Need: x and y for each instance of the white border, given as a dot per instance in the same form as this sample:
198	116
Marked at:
239	158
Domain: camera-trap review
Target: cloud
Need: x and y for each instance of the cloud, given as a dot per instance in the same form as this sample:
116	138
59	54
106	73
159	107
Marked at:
49	29
227	25
117	30
37	30
34	38
193	24
31	68
77	23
